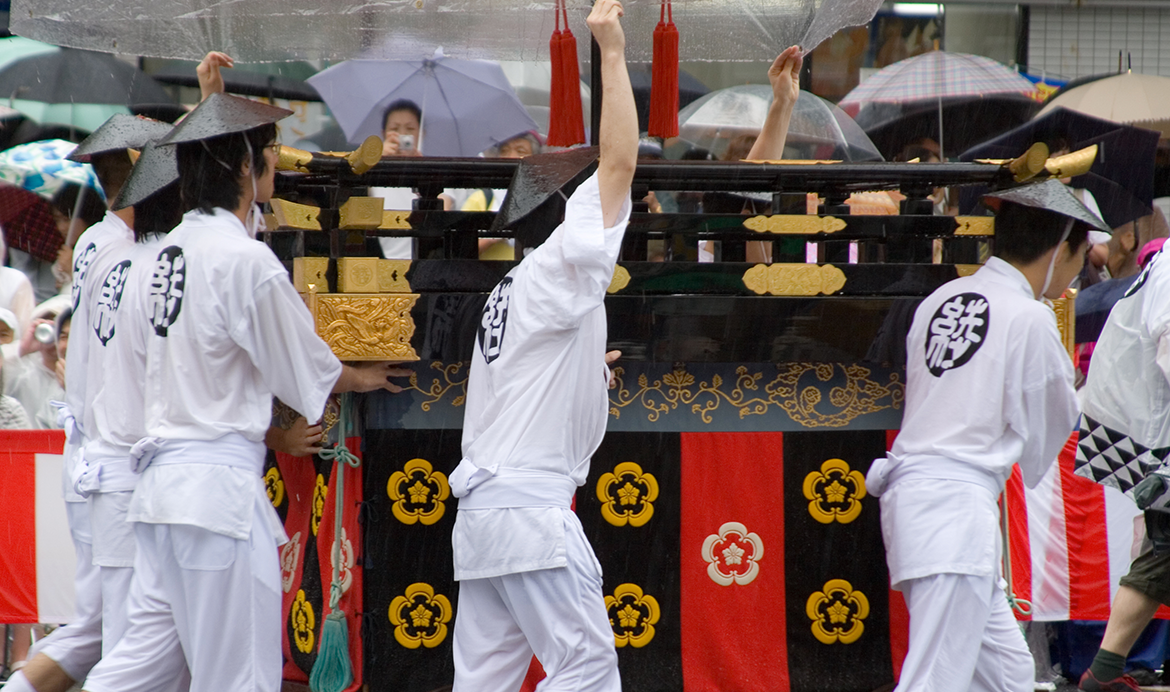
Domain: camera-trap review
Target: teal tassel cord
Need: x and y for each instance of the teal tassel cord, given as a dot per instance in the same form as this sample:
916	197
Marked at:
333	670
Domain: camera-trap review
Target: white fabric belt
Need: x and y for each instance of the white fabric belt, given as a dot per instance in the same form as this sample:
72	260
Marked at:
74	441
102	474
232	450
503	488
887	471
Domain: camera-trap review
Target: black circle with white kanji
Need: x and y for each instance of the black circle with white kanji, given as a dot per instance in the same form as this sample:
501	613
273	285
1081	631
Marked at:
166	288
956	332
81	261
494	320
108	300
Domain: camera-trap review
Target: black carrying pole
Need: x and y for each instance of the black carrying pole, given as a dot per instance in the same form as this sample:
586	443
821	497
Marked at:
594	91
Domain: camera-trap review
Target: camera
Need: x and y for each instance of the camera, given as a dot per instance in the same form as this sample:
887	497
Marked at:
406	143
45	333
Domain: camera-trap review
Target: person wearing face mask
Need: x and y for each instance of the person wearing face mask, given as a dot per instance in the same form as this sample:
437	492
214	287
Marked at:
989	385
225	332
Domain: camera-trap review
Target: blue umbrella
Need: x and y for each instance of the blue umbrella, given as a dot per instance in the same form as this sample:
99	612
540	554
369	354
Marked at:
468	105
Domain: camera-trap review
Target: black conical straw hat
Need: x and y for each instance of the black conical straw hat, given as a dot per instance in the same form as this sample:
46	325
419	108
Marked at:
1050	195
120	132
223	114
155	169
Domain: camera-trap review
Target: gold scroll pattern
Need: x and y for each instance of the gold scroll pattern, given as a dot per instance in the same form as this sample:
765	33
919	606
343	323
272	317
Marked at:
367	326
795	389
794	224
1066	321
794	279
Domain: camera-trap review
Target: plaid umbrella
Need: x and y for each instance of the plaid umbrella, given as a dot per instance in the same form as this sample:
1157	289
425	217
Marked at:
957	83
41	167
27	220
935	75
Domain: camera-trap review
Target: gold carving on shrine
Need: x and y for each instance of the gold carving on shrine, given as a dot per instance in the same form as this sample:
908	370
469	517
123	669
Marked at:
794	279
1072	165
367	326
357	275
364	157
392	276
363	213
292	159
395	220
1066	321
621	279
794	224
1032	162
975	225
300	217
309	270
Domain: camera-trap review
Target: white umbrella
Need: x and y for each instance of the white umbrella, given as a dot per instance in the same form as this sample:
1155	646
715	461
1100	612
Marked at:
468	105
1135	99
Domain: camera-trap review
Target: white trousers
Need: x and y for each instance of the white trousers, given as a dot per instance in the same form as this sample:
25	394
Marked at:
963	638
557	614
77	646
199	602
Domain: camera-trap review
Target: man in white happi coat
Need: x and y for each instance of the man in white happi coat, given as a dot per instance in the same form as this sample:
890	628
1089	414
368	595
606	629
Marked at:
225	331
1125	442
66	656
536	411
988	385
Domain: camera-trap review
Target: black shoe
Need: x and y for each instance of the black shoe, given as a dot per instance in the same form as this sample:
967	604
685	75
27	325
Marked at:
1122	684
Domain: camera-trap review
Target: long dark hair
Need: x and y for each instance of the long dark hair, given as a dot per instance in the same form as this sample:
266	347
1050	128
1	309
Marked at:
158	214
209	169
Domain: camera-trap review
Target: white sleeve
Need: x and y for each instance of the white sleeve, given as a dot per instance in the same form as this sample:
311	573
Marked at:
1048	404
568	275
276	330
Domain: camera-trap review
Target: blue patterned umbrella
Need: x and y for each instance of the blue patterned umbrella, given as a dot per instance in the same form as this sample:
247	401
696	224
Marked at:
41	167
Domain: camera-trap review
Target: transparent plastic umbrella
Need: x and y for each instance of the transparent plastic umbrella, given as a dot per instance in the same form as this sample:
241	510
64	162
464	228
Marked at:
280	30
818	129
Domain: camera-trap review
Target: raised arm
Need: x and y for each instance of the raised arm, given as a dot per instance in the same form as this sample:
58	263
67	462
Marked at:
210	79
784	74
619	117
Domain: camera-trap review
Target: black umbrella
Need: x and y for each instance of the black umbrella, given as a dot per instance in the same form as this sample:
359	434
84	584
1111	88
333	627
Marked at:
1121	178
239	81
967	121
72	76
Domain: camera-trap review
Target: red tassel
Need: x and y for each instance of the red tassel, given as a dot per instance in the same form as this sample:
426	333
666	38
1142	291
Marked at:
664	76
566	124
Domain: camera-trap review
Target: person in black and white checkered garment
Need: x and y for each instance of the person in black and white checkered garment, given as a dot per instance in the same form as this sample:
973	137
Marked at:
1125	440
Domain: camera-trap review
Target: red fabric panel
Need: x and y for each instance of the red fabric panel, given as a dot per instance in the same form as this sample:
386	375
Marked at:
534	676
733	477
351	600
1021	546
899	631
299	478
18	540
1088	543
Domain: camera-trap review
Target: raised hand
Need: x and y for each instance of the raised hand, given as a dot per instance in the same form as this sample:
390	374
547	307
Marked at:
784	75
210	79
605	23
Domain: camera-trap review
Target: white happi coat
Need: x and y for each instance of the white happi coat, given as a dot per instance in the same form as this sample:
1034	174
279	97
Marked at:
114	300
226	331
1128	388
536	397
111	230
988	385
